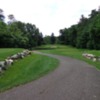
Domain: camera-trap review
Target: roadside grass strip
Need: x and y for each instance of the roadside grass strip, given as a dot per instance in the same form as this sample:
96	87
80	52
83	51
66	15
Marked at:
26	70
71	52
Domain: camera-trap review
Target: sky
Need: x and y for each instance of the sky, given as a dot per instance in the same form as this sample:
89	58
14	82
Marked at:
49	15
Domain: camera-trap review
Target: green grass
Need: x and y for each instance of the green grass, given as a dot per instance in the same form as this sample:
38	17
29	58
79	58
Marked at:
5	52
71	52
26	70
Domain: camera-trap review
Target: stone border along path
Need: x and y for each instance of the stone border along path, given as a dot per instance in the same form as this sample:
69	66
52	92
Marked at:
72	80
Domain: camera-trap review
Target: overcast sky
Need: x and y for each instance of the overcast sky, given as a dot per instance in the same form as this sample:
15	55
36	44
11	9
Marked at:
49	15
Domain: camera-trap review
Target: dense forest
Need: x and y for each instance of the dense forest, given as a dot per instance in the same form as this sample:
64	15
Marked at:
17	34
85	34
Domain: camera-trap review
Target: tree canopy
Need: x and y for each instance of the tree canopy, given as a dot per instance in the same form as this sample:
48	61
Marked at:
18	34
85	34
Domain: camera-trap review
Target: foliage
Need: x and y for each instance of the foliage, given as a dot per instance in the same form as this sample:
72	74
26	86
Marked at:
85	34
19	34
52	38
47	39
2	17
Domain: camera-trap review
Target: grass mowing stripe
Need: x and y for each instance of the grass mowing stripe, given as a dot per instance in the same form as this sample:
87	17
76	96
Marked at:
27	69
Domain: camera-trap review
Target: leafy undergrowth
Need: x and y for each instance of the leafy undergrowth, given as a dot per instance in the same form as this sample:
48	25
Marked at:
71	52
26	70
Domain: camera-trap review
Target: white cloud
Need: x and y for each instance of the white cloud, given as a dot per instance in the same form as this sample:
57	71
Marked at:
49	15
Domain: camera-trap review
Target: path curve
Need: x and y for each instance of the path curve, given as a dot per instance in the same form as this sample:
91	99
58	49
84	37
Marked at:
72	80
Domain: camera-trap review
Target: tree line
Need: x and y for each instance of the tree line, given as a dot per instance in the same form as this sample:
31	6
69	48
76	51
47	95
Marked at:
18	34
85	34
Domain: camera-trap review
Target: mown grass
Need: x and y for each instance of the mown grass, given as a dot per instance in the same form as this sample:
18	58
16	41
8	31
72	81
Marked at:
71	52
26	70
5	52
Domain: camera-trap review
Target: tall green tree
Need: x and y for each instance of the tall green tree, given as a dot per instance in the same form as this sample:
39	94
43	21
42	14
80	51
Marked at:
47	39
11	19
2	17
84	34
53	38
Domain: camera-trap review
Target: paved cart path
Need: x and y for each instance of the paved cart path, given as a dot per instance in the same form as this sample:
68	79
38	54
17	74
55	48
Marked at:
72	80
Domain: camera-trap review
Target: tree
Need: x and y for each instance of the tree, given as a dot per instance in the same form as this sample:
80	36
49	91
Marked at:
3	32
82	40
93	13
94	39
84	34
62	36
53	38
11	19
2	17
40	39
73	36
47	40
18	34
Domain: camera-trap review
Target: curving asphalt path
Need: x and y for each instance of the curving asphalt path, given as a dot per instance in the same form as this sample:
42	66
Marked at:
72	80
